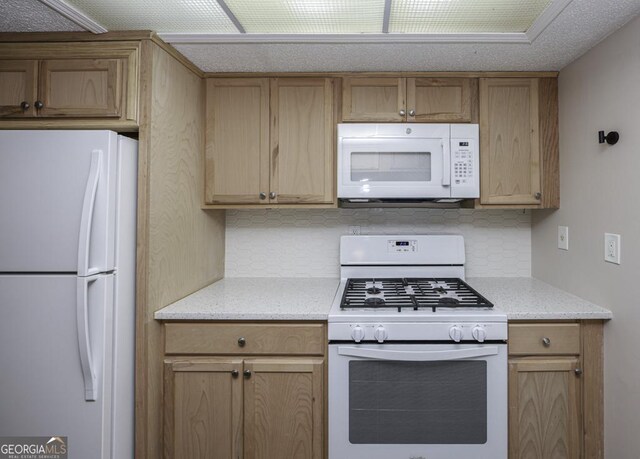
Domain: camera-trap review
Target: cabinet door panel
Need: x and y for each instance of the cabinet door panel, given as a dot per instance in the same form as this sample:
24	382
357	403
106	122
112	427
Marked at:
283	409
509	141
81	87
373	99
237	140
302	140
18	84
442	100
544	409
203	409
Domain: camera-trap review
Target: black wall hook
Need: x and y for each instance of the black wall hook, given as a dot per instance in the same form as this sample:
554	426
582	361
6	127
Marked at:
611	138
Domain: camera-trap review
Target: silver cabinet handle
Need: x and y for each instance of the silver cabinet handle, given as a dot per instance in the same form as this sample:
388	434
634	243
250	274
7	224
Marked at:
546	342
235	373
538	195
247	374
402	112
38	104
578	371
25	105
272	195
412	113
263	195
242	342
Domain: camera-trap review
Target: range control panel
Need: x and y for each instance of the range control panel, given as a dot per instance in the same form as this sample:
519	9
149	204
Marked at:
463	162
402	246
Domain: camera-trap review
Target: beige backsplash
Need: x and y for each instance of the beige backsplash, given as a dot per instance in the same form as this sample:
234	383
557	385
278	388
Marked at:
304	243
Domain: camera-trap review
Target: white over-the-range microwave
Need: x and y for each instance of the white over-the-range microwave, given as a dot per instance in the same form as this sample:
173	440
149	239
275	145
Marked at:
407	162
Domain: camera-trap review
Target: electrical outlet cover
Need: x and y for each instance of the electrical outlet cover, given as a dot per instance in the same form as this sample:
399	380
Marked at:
563	237
612	248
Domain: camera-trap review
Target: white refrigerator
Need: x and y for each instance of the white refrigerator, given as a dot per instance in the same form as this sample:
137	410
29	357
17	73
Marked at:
67	289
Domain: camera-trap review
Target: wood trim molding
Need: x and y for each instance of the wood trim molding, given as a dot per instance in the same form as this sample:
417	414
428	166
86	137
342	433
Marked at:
593	389
489	74
75	15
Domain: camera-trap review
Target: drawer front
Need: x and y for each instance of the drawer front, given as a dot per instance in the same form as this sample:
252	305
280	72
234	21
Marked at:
233	338
544	339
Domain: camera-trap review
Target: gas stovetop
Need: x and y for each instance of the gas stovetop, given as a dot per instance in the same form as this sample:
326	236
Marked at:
411	293
409	288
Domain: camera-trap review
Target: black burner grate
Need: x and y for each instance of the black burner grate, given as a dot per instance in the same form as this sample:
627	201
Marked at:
412	293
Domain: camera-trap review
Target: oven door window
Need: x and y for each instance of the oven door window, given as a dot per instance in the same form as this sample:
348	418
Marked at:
394	402
390	166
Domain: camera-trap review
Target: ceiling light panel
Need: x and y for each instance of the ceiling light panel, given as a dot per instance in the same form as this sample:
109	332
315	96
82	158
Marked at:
464	16
309	16
162	16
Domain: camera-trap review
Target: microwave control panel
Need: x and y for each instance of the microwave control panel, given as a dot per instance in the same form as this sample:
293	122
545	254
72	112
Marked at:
463	163
396	246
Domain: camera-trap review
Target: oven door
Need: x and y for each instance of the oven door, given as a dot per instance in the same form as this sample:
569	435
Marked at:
415	401
394	167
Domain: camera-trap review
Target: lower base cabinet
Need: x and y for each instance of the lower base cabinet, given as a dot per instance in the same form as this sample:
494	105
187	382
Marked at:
555	390
545	408
245	406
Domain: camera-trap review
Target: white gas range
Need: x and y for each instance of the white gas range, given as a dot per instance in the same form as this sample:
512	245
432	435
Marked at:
417	357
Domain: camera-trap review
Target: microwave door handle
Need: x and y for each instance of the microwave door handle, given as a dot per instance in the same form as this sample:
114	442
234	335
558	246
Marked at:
417	356
446	165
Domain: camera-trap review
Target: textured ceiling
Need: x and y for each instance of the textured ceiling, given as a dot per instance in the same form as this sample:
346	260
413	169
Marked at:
577	29
32	16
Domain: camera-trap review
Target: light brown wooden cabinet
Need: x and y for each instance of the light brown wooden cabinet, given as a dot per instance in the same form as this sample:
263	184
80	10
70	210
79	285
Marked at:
270	141
72	88
250	390
519	142
419	100
98	83
555	390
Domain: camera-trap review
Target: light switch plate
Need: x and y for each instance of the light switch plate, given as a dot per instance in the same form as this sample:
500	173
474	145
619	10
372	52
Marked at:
612	248
563	237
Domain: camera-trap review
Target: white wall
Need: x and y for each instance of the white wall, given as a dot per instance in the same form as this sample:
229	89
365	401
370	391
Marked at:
599	192
300	243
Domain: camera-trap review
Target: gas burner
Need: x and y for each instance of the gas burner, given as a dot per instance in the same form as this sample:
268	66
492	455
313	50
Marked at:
448	302
374	301
373	290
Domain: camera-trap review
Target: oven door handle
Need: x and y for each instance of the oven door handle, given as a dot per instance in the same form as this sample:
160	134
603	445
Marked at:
417	356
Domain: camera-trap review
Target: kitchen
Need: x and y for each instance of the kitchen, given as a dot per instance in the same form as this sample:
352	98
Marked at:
182	249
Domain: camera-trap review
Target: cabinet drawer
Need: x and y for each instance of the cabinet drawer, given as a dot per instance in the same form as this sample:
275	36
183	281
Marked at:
234	338
546	339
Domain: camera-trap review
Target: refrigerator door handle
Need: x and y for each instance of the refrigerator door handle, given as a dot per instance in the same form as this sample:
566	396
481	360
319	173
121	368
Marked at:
88	205
84	337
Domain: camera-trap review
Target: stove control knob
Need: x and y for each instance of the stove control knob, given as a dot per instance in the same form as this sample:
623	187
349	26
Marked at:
380	334
357	333
479	333
455	333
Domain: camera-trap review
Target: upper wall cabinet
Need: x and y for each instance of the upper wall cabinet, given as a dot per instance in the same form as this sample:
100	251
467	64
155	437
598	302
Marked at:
519	142
270	142
419	100
81	83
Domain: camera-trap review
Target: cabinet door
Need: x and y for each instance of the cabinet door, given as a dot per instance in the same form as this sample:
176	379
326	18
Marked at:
302	141
509	141
441	100
373	99
544	409
203	409
283	409
237	141
81	88
18	86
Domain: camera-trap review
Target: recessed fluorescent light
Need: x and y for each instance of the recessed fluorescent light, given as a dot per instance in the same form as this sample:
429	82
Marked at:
309	16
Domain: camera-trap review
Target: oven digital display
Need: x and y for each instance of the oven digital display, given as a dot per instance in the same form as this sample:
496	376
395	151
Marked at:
404	246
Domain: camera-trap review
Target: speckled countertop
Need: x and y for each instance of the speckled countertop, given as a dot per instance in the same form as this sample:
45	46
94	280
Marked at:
256	298
526	298
272	298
